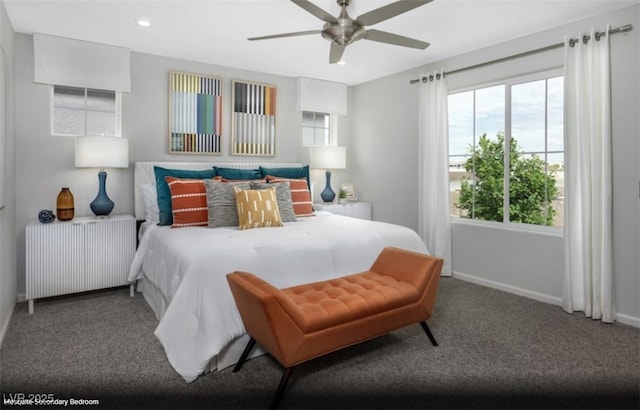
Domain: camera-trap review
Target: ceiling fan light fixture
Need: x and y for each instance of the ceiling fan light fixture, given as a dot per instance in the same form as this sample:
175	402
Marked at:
344	30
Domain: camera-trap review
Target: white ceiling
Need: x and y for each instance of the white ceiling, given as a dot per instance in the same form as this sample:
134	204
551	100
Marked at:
216	31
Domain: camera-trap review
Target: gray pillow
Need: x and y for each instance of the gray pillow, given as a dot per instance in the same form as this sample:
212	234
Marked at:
283	196
221	202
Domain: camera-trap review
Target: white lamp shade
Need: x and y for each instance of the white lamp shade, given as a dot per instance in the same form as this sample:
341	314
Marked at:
102	152
328	157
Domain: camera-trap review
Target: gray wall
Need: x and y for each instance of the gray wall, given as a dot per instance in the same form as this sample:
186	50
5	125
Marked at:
7	214
384	132
45	163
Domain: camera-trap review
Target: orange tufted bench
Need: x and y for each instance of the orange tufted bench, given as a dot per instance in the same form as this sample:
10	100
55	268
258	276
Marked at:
303	322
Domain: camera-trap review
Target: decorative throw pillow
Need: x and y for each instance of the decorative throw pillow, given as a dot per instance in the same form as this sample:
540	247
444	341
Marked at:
188	202
300	195
164	195
150	201
287	172
283	196
221	202
257	208
238	174
248	181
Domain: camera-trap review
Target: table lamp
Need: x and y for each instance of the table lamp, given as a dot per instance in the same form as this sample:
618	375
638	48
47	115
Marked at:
101	152
328	157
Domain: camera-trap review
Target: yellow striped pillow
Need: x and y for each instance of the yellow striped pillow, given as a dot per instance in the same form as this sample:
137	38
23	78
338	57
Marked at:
257	208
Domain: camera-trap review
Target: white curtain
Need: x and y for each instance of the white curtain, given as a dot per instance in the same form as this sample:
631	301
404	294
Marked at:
588	284
433	192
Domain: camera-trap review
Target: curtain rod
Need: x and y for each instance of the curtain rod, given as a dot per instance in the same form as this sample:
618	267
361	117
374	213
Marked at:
623	29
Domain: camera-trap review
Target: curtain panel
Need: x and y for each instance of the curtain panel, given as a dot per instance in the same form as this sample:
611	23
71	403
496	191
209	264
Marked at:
433	192
588	284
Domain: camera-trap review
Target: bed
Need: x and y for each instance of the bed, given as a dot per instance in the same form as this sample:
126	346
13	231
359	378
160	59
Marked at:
182	271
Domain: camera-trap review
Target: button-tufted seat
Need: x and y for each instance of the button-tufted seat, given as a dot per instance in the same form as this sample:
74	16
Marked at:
306	321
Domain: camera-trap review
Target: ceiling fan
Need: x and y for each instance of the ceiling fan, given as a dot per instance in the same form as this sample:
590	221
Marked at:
343	30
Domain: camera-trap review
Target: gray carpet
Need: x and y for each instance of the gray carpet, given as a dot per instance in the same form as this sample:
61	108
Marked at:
497	350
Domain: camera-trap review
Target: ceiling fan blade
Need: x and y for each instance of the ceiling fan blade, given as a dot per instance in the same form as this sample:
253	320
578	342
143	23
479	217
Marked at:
390	38
390	10
298	33
335	54
316	11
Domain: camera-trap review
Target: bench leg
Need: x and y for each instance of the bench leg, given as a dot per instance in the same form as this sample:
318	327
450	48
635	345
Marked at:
245	354
428	332
283	383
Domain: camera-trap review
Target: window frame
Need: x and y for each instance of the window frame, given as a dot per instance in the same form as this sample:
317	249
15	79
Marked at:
52	108
333	128
508	83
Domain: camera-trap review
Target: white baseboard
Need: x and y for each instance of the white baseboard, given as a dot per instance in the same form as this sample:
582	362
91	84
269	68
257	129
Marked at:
628	320
5	325
541	297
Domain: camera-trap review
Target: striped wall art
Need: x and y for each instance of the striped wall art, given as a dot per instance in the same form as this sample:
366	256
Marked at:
195	125
253	123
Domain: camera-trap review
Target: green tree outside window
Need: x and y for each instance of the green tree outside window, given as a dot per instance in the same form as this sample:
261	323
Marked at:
532	185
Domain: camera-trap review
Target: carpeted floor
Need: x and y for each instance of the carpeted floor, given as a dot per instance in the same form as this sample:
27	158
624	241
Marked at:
497	350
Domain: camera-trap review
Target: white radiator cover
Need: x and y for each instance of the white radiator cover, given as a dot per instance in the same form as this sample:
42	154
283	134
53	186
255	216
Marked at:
83	254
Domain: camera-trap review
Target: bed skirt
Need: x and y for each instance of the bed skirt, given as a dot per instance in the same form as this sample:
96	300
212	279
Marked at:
228	356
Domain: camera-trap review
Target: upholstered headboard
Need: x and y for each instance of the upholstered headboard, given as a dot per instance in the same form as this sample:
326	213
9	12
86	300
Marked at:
144	173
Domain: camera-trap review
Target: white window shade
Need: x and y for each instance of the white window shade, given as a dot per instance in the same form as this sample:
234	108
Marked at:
321	96
75	63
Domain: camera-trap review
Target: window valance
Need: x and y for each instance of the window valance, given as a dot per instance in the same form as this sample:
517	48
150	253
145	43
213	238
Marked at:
321	96
76	63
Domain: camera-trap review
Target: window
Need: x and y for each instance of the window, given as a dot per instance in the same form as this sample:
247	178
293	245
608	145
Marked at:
317	128
506	152
85	111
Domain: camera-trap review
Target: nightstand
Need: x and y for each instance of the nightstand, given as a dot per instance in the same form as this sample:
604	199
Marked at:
86	253
360	210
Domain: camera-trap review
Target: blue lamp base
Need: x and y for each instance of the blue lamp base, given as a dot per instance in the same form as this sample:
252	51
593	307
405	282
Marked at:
328	195
102	205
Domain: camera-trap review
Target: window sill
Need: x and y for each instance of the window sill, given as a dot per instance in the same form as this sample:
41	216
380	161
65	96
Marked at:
510	226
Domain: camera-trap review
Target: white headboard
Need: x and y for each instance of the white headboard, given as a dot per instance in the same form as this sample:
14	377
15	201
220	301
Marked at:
144	173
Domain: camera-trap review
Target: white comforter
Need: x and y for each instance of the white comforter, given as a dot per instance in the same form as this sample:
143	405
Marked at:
189	267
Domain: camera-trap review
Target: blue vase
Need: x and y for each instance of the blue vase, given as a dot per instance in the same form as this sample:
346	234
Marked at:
328	195
102	205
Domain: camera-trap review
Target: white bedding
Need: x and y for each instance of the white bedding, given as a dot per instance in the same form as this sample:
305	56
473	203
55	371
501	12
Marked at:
188	266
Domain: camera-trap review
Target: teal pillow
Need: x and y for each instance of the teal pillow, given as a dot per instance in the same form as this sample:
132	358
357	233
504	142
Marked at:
288	172
164	194
238	174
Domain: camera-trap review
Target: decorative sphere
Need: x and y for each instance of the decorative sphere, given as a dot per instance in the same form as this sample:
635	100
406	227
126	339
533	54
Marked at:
46	216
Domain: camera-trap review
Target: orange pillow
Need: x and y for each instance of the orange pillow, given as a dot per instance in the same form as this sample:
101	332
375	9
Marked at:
300	194
188	202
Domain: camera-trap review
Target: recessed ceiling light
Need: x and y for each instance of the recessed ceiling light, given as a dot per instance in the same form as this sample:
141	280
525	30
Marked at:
143	22
341	62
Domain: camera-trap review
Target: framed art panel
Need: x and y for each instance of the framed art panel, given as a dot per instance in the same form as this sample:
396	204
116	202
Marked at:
349	191
195	114
253	122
